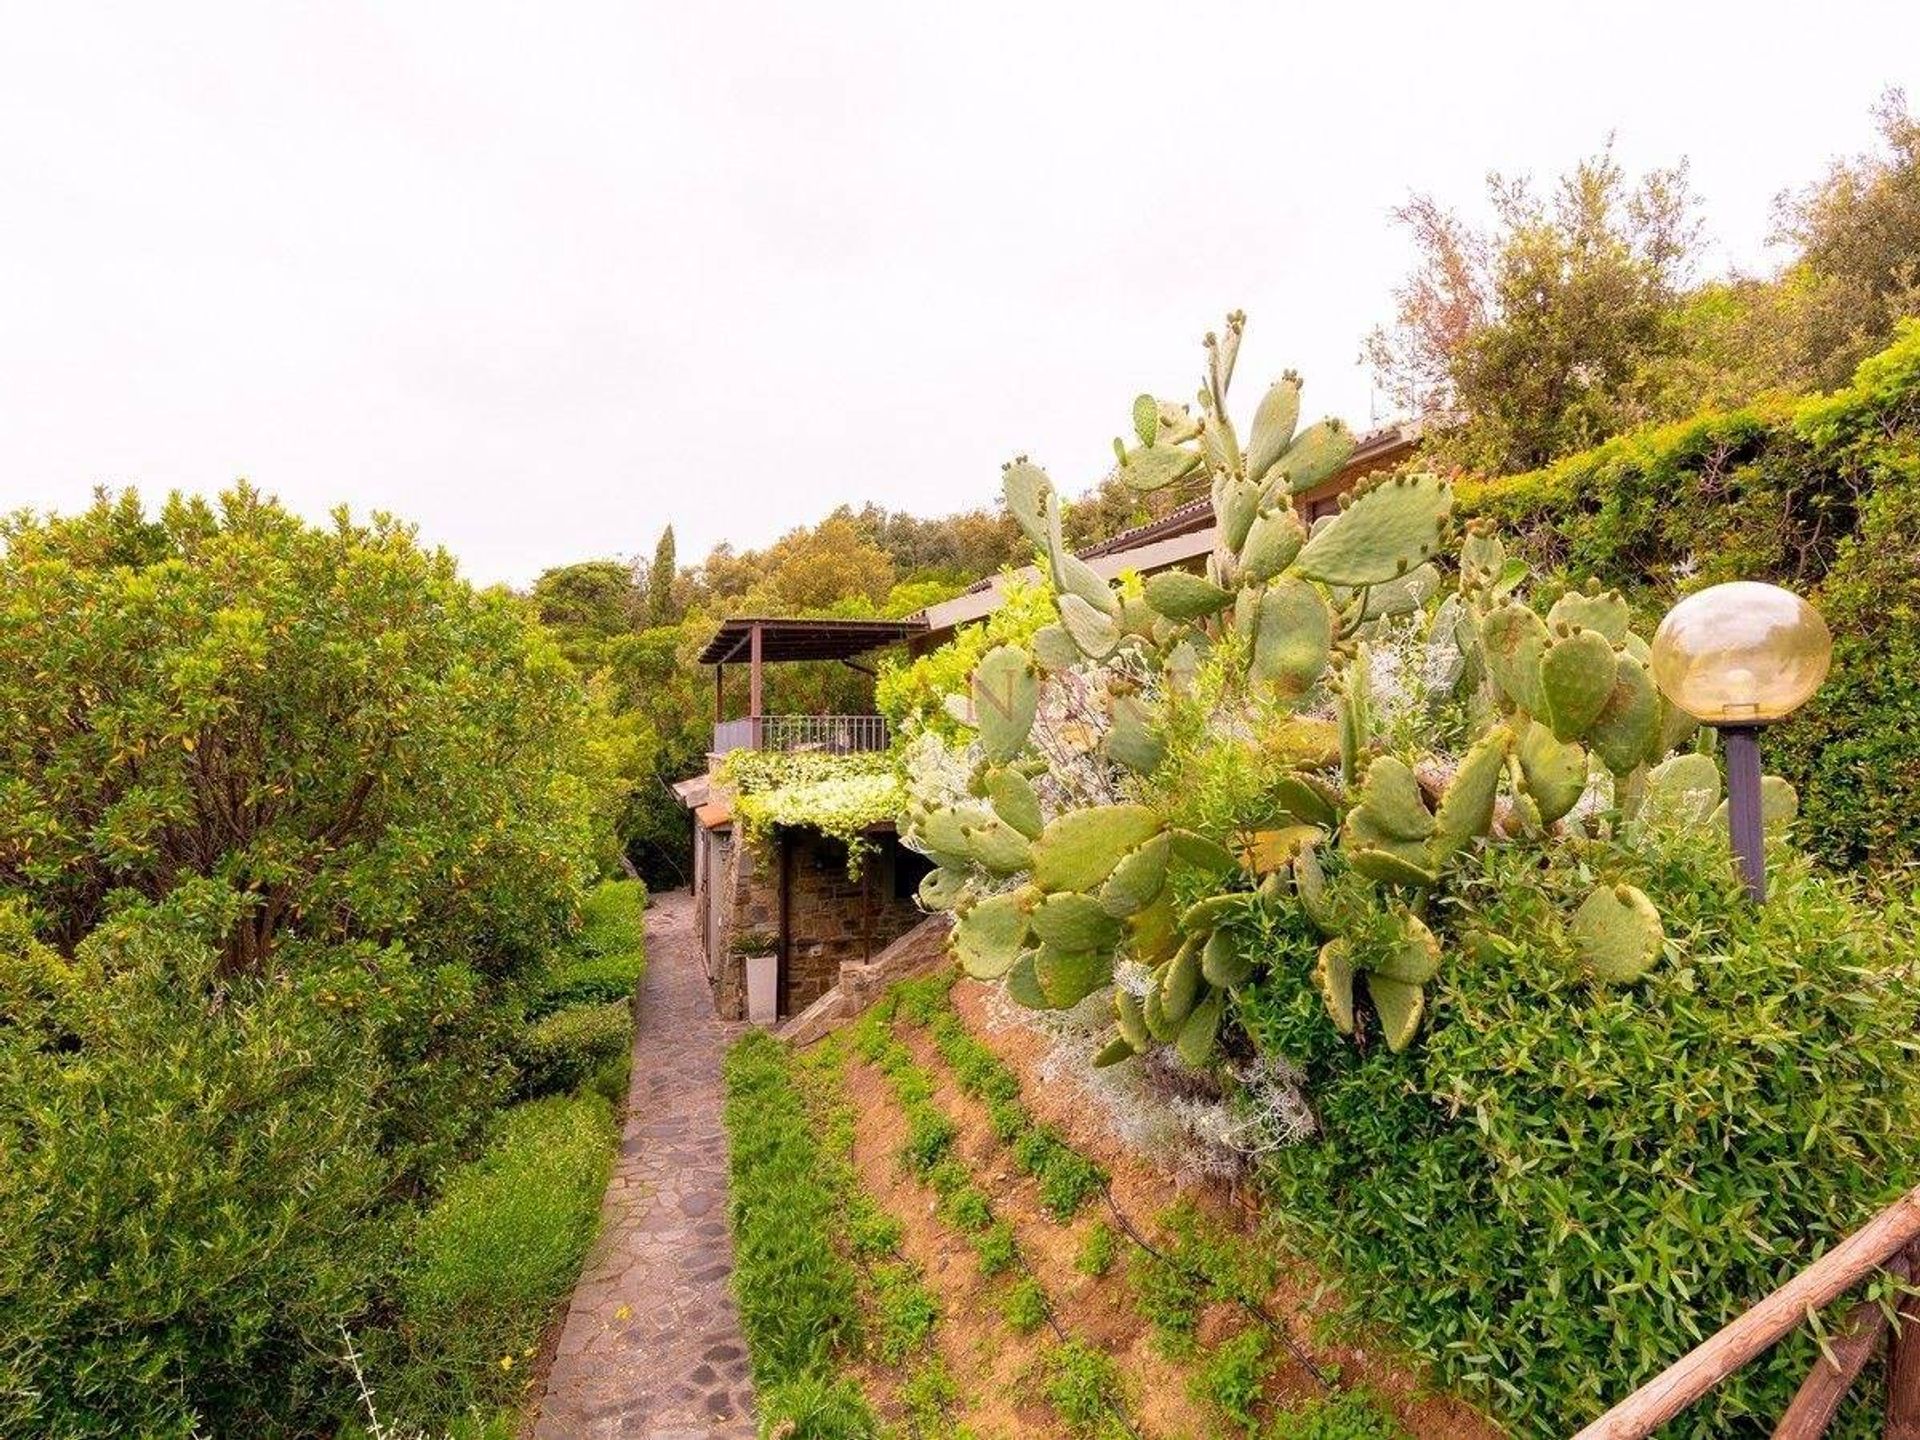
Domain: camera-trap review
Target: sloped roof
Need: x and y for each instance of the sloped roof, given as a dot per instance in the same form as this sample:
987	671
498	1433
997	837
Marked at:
787	638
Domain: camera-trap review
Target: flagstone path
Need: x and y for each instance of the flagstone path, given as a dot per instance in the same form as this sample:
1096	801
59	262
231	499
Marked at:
652	1347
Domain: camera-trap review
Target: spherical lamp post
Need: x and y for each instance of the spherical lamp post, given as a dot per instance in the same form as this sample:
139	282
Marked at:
1737	657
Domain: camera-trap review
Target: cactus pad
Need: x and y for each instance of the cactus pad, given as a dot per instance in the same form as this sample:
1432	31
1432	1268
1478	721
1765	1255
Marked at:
1015	801
1068	921
1079	849
1030	499
1414	957
1094	634
1606	613
1023	985
1514	642
1294	638
1389	528
1273	540
1138	878
1153	934
1684	790
1400	1008
1197	1035
997	847
1224	961
1303	801
1466	810
1180	986
1066	977
1390	867
1006	695
1273	424
1577	675
1391	798
1181	595
1314	455
1333	973
1625	731
989	937
1618	934
1131	1020
1555	772
942	889
1156	466
1132	741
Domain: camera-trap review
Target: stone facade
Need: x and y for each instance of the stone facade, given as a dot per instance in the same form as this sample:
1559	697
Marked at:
796	890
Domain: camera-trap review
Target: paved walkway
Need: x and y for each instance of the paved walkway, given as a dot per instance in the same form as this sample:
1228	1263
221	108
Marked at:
652	1347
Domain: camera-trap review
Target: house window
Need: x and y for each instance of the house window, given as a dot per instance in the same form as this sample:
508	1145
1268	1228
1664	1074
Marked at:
1324	506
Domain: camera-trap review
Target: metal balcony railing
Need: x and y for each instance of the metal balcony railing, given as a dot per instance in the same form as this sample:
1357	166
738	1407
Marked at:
831	734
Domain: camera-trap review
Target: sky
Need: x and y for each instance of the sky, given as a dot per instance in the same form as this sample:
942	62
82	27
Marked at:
544	278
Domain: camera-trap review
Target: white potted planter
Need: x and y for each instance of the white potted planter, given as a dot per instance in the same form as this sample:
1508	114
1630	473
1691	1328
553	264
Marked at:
762	966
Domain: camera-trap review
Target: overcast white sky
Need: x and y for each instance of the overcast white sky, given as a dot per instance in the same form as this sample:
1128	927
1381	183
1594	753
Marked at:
544	277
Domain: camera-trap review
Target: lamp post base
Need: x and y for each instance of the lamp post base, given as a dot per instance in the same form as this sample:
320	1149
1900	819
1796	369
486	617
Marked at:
1743	806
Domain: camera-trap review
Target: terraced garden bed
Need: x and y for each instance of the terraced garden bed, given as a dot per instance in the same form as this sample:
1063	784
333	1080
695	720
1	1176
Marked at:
1014	1273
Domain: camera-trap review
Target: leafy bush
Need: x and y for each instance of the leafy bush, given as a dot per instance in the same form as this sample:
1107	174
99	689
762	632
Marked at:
1024	1306
799	1306
1602	1176
559	1052
1085	1389
1234	1377
496	1253
191	1173
905	1311
326	721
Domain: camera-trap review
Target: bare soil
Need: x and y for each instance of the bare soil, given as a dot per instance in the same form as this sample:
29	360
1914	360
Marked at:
1304	1299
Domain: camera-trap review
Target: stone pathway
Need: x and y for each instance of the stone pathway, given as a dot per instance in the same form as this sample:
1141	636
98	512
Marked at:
652	1347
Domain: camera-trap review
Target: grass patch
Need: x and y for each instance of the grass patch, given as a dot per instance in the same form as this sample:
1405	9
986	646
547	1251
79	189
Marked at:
496	1253
1024	1306
799	1305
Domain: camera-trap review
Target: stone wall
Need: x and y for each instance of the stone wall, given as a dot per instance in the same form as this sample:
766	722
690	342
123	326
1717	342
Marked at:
832	919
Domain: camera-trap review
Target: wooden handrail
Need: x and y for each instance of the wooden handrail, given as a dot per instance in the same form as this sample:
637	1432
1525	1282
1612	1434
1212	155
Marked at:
1869	1248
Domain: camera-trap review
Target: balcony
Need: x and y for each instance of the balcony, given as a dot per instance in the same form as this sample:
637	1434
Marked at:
828	734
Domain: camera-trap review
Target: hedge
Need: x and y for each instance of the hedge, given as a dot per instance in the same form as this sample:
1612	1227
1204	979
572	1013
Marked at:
1565	1186
1816	493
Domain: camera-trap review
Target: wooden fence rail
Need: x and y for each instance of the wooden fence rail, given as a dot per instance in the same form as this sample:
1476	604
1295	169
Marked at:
1890	1241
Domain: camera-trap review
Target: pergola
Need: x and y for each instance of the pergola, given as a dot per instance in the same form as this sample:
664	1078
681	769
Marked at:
764	640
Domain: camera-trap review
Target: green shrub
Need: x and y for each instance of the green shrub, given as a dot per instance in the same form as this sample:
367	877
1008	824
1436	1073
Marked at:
905	1311
1096	1251
997	1249
613	919
1353	1416
1024	1306
799	1307
1602	1176
559	1052
494	1255
1234	1377
1167	1298
1085	1390
191	1180
387	750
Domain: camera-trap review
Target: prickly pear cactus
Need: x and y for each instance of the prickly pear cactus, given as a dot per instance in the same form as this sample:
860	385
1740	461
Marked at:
1080	863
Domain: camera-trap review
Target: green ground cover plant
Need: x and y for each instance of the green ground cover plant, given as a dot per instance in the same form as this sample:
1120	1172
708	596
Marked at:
1085	1389
799	1304
1234	1377
494	1255
1354	1416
